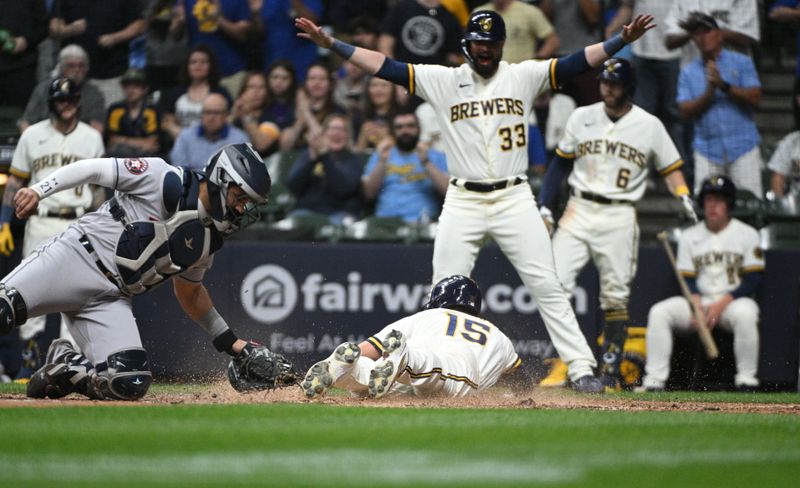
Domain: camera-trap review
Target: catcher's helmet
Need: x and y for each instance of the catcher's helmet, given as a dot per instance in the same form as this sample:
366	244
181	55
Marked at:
721	185
457	293
619	70
240	165
62	89
483	25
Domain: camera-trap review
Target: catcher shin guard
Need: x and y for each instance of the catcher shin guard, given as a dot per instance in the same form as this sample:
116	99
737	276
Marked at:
124	376
13	311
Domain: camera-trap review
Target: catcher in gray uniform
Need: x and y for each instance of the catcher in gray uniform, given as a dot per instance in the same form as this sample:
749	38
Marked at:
162	222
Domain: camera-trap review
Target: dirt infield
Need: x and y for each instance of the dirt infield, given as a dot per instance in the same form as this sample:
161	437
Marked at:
221	393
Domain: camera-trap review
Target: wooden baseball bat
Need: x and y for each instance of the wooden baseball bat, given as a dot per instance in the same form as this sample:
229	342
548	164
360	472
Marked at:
705	335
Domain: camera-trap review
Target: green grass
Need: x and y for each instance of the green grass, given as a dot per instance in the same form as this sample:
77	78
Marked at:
332	446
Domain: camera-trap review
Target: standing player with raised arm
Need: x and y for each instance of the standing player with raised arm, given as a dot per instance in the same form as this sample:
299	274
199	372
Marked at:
607	150
483	107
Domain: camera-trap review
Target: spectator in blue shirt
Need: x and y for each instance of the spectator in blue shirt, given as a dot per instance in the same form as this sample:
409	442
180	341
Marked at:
223	25
788	12
198	142
280	34
406	178
718	92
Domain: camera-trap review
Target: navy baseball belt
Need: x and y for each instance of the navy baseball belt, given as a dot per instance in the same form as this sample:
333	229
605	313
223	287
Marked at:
102	267
481	187
594	197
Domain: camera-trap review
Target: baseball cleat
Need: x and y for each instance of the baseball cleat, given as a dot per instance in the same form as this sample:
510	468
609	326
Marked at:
588	384
322	375
56	379
395	356
557	377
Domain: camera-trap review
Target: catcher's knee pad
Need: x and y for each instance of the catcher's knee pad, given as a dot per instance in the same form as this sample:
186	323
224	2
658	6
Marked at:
127	376
13	311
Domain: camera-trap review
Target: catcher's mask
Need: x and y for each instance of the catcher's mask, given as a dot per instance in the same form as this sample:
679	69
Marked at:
457	293
236	165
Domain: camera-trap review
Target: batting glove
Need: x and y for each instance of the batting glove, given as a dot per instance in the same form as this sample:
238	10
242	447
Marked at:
547	218
689	208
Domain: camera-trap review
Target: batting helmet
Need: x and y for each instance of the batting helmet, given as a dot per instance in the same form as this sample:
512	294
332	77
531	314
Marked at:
483	25
62	89
457	293
619	70
240	165
720	185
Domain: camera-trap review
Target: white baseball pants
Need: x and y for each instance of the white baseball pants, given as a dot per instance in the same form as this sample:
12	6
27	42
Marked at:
511	218
674	314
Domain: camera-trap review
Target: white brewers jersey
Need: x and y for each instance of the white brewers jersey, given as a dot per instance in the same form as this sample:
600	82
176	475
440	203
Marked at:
455	332
786	158
42	149
719	260
484	122
612	158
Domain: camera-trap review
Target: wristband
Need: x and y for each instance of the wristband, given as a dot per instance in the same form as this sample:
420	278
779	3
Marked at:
224	342
611	46
6	214
343	49
681	191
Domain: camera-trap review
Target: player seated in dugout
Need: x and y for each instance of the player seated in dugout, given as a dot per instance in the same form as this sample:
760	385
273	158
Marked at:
326	176
446	349
722	264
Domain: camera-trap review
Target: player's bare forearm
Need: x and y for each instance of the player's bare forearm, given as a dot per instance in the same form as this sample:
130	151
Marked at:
676	183
193	297
674	41
368	60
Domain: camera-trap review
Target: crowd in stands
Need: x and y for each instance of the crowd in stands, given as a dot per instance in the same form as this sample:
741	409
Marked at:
180	78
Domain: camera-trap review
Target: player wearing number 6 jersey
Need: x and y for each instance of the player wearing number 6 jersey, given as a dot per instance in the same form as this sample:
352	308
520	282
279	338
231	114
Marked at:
607	149
483	108
446	349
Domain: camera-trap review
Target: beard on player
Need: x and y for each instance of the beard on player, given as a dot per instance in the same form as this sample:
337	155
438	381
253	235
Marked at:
615	97
486	57
406	142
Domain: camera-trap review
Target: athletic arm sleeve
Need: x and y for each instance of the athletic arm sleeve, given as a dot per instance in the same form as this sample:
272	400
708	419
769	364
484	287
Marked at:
396	72
566	67
100	171
558	169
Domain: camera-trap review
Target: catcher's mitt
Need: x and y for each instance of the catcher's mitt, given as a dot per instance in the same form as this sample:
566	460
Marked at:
258	368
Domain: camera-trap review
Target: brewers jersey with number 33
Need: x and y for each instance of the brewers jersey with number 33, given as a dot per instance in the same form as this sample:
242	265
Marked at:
485	121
